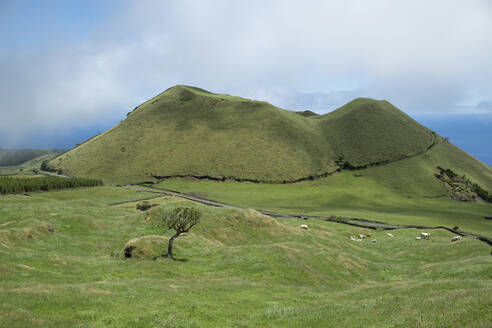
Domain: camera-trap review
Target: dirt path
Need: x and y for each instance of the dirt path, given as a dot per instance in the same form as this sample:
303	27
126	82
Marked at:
370	224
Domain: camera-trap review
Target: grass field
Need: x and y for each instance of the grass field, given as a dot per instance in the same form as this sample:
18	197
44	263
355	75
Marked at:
343	195
62	265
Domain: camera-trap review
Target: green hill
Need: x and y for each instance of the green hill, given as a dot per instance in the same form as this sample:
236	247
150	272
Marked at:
10	157
187	131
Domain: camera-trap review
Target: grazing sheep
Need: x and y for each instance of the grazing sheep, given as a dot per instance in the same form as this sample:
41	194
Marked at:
456	239
352	238
373	241
425	235
389	235
303	226
418	238
361	236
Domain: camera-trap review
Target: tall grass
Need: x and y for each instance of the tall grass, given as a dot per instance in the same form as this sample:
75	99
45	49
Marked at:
9	185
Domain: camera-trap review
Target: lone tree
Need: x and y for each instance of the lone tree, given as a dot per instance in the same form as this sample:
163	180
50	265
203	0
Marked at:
181	219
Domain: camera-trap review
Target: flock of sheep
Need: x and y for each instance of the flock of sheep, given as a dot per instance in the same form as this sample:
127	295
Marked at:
423	235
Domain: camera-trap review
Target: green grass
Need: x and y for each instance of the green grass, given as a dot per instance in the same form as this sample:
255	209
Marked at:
343	195
99	195
29	167
240	269
189	131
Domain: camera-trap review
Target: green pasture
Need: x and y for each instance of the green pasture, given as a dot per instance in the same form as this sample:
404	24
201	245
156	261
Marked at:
345	195
62	265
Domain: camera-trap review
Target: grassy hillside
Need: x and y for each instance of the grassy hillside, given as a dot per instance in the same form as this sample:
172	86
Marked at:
11	157
27	168
189	131
63	266
366	131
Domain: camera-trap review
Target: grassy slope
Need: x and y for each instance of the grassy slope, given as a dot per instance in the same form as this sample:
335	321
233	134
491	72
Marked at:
415	176
401	192
27	167
241	270
343	195
12	157
368	131
189	131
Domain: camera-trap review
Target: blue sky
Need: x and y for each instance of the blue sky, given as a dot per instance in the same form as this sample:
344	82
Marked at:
74	68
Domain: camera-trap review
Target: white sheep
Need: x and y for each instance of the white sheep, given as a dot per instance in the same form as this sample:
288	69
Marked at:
303	226
389	235
425	235
456	239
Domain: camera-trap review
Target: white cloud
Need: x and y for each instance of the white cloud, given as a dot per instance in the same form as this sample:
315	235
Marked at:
422	56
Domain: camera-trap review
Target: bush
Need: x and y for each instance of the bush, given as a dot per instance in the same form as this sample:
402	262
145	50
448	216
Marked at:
46	167
143	206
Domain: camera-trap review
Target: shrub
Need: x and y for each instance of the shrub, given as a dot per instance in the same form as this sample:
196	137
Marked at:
143	206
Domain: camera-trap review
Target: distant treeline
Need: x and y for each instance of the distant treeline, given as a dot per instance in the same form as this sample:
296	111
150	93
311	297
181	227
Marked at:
9	185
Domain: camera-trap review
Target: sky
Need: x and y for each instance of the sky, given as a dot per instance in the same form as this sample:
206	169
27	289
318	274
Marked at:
71	69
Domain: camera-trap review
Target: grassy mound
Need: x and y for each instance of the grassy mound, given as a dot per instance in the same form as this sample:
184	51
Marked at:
189	131
151	246
19	231
231	228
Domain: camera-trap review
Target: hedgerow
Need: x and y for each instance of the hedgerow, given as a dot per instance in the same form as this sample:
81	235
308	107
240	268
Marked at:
10	185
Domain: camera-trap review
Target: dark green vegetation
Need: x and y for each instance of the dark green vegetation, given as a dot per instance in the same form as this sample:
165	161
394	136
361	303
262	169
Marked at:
11	157
16	185
461	188
143	206
62	265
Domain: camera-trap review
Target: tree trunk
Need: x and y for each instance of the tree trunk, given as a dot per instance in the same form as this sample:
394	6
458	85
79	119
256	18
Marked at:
170	246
